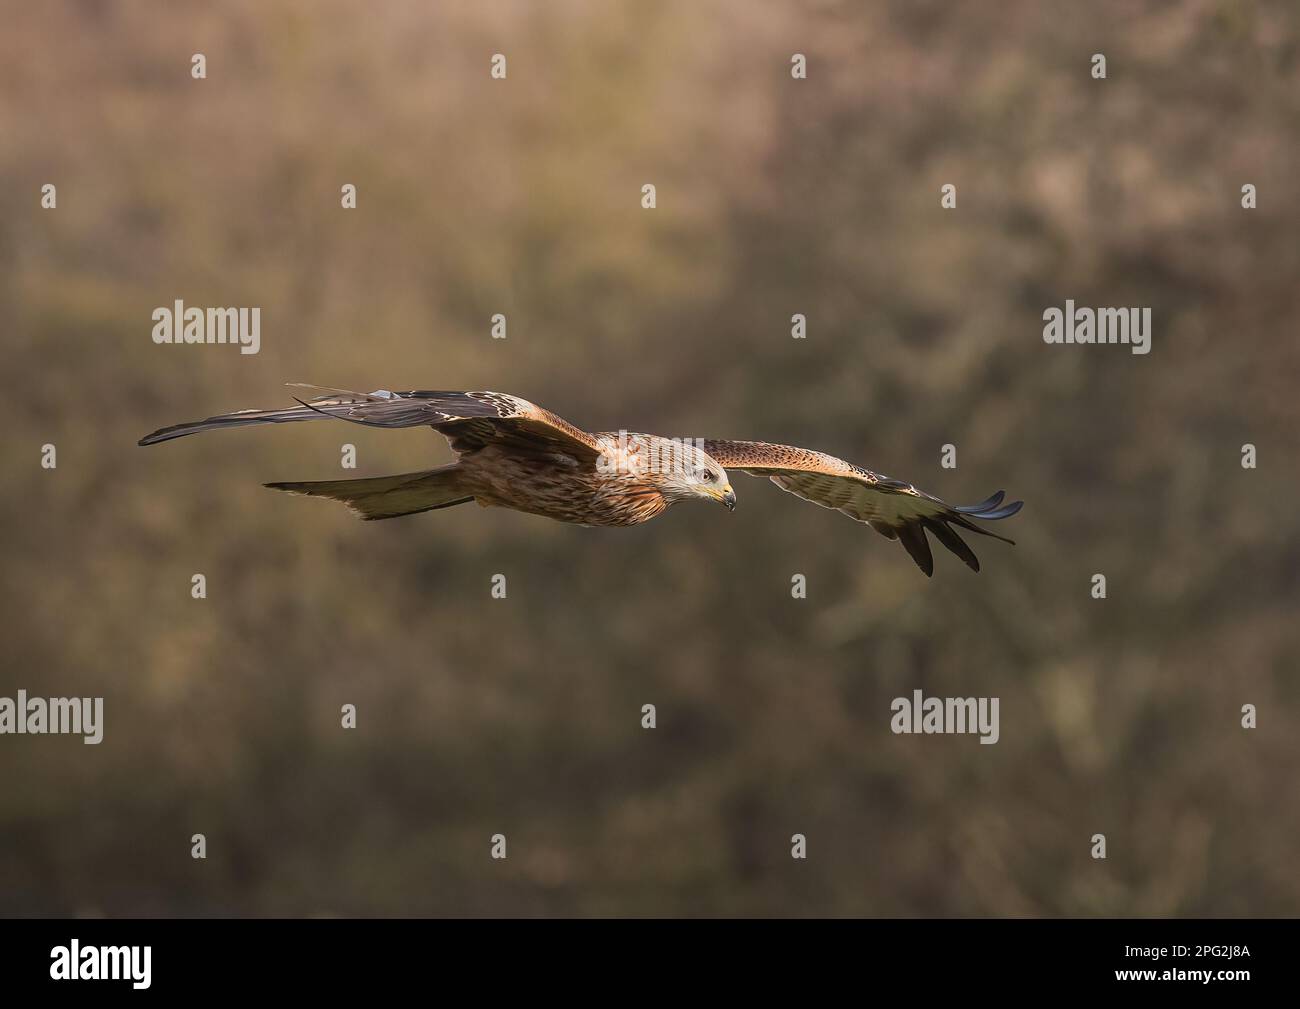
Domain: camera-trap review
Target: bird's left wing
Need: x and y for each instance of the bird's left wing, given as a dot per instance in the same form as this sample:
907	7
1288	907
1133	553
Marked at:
470	420
893	508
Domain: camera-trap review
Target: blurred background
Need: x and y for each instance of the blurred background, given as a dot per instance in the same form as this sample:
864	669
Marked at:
775	196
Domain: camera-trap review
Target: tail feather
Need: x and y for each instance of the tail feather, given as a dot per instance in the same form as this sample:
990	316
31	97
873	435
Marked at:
386	497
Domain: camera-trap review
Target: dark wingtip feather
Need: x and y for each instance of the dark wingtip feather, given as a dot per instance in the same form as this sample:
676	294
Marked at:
992	501
167	433
913	539
988	510
949	538
1005	512
963	519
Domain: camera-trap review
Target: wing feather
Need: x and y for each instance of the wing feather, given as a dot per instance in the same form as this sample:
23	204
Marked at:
893	508
470	420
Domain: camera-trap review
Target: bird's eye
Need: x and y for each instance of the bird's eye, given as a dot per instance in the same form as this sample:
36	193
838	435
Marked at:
706	476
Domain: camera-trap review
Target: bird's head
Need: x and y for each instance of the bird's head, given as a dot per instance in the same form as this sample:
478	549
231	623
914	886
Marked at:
685	472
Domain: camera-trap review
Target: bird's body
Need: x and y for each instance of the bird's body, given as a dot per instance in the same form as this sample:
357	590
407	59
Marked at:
514	454
564	486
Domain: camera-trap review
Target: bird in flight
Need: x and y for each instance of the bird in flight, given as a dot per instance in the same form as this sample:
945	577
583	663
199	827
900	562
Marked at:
514	454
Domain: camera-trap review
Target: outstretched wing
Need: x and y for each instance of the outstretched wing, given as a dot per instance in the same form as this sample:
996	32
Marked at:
469	420
893	508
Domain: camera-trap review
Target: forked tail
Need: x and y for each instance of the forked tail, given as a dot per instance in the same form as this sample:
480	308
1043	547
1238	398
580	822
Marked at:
386	497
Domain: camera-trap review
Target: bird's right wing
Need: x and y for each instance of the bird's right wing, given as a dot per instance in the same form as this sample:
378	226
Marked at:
894	508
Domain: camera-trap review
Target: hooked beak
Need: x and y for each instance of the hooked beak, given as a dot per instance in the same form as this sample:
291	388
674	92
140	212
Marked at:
729	498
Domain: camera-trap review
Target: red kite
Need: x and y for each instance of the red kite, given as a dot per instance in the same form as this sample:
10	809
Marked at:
513	454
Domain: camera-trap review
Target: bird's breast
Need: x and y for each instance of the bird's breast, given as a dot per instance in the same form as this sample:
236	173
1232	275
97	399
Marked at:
566	493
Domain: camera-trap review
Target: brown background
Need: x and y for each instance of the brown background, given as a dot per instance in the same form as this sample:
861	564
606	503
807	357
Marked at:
775	196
